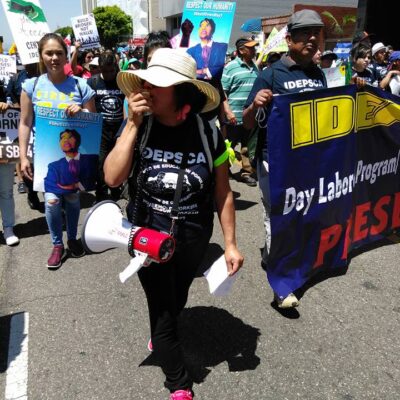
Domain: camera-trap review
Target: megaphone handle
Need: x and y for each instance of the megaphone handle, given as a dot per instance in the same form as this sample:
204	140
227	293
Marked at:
135	264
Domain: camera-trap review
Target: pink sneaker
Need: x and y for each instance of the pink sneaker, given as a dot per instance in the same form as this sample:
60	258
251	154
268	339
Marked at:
181	395
150	346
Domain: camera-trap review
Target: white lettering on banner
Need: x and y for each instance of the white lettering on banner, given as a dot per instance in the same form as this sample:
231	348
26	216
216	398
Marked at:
300	200
340	186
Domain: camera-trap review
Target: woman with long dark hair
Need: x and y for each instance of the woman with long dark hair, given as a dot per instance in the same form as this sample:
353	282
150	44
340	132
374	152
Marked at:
57	90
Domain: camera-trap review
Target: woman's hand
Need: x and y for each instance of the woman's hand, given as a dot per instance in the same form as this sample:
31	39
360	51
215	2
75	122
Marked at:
26	168
3	107
234	259
138	105
72	109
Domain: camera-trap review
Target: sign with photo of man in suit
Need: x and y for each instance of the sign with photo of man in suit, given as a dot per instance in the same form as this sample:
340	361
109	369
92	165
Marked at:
208	42
66	151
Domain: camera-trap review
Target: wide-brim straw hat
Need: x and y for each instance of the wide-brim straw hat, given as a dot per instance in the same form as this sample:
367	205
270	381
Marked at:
168	67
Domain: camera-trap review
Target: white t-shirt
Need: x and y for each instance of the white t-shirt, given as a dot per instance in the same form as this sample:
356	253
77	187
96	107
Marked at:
395	85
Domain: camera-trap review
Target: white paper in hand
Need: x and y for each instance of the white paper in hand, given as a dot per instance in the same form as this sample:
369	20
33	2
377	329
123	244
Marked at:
219	282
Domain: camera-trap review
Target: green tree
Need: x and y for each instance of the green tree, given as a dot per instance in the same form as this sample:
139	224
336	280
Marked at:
112	23
65	31
336	26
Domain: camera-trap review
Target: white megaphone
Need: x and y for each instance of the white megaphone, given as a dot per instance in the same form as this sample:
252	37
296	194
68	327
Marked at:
105	228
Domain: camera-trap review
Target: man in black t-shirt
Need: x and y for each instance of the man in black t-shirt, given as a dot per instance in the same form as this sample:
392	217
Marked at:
293	73
109	102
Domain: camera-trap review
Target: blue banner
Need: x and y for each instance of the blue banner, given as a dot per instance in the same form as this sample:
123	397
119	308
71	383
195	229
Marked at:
334	179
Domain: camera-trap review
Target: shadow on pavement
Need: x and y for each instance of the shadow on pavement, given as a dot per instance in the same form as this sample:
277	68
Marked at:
211	336
34	227
10	347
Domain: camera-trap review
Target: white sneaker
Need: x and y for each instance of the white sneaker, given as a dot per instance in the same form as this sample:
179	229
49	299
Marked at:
289	301
10	237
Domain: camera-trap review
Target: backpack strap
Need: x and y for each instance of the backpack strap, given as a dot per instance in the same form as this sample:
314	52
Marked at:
79	88
209	138
34	85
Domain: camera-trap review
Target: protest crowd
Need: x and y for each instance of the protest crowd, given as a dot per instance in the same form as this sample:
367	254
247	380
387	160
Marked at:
157	105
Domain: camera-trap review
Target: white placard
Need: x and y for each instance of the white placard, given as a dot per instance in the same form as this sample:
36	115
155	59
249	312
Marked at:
219	282
28	25
85	31
335	76
8	67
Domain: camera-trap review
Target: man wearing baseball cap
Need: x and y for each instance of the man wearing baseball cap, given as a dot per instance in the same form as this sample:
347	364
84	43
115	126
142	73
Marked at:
327	59
361	38
379	65
238	78
293	73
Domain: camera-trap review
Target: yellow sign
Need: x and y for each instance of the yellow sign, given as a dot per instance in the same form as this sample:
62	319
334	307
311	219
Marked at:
329	118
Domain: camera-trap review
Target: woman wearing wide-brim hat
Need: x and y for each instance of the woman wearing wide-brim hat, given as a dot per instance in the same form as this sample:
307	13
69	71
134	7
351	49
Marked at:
165	137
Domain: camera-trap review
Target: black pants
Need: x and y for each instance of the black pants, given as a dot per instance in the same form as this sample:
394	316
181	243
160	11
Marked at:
167	287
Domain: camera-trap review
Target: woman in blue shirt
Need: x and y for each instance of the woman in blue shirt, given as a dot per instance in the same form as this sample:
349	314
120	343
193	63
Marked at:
57	90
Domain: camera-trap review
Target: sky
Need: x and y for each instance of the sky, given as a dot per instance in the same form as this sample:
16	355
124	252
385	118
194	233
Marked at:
58	14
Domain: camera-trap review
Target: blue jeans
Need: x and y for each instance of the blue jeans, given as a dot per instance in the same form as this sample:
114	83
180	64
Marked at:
54	203
7	205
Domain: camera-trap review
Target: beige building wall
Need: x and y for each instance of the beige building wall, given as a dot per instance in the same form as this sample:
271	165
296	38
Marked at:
156	23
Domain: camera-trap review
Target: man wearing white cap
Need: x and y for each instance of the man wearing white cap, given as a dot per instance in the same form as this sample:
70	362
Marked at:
379	66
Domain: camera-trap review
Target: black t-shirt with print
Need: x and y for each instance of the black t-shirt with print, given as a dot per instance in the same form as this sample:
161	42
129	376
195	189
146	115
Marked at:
109	99
161	160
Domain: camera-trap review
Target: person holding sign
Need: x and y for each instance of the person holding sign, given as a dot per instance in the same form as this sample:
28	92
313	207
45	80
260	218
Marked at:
293	73
176	171
7	204
57	90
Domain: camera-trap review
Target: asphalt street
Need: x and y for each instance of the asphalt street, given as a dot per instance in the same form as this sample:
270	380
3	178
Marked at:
88	332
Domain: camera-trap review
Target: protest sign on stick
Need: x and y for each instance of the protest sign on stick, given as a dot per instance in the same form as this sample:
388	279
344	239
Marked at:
85	31
206	29
8	67
28	25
